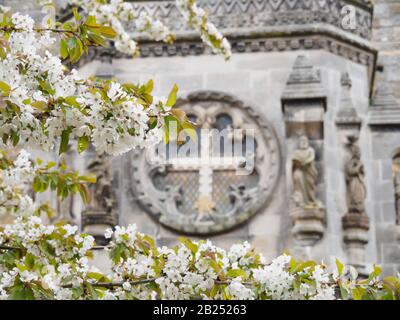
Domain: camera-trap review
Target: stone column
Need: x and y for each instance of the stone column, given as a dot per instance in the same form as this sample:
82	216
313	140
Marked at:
304	104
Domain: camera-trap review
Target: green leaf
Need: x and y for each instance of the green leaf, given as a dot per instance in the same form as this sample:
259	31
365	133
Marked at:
344	293
189	130
47	87
72	101
149	86
358	293
116	252
98	277
77	292
51	164
91	178
20	292
375	273
214	291
5	88
172	96
84	193
14	138
170	123
234	273
83	143
37	184
39	105
64	141
63	49
76	14
29	260
293	264
339	266
108	32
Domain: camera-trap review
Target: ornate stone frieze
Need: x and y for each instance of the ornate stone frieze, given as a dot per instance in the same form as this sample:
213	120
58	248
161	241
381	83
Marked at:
260	15
208	192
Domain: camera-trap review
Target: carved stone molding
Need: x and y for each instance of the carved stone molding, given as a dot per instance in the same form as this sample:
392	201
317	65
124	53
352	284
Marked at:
308	224
355	238
285	42
262	14
175	193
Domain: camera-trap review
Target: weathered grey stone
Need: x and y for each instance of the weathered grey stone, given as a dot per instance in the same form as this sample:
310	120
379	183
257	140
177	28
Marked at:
260	73
237	80
391	253
388	212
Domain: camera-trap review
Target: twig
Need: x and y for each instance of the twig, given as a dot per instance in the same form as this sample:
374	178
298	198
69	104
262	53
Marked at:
116	284
9	248
42	30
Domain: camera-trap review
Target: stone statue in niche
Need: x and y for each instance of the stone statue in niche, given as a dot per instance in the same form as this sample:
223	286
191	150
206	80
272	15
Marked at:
308	213
304	175
100	213
354	170
355	222
65	211
102	194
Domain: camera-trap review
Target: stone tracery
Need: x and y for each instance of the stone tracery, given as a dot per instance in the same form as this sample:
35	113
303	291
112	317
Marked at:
211	192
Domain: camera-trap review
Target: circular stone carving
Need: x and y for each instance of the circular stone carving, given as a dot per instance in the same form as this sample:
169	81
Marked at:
196	198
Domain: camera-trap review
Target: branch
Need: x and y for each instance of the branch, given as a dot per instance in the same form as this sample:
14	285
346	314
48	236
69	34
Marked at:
116	284
6	29
9	248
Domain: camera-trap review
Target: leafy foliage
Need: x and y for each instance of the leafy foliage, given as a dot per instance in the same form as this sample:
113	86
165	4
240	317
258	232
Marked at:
51	262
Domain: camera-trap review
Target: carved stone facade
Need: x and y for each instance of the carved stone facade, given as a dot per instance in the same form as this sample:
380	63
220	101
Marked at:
295	72
206	192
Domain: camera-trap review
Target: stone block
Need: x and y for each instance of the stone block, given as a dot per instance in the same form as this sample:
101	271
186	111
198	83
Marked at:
388	211
265	224
391	253
386	233
222	81
384	191
184	82
386	169
260	80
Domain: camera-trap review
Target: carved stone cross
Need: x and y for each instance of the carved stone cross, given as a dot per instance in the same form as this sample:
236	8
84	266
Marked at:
206	163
